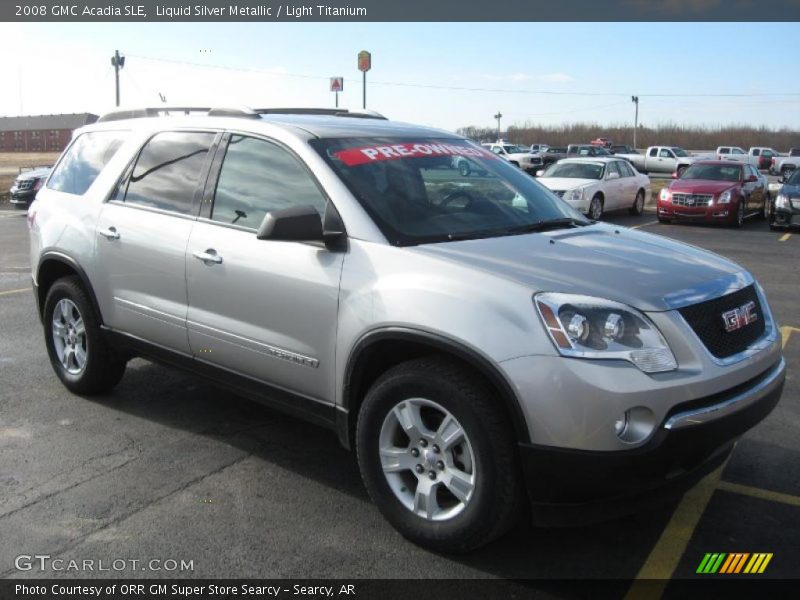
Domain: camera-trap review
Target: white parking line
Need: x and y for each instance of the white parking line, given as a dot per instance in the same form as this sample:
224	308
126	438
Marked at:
644	224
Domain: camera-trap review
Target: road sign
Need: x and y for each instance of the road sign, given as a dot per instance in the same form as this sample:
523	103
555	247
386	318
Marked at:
337	84
364	61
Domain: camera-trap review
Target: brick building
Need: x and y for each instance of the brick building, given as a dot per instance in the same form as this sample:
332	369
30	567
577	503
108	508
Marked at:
40	133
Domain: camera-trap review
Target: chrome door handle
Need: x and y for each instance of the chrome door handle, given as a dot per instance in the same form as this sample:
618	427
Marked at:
209	256
110	234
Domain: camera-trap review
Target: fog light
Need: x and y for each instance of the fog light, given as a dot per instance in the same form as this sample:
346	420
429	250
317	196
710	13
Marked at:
635	425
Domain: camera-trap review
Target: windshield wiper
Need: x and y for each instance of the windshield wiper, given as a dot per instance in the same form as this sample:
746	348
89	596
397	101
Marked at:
547	224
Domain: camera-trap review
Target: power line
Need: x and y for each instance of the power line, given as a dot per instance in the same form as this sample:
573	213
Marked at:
471	89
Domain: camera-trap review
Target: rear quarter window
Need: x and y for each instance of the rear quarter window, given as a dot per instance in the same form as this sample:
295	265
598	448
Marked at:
84	160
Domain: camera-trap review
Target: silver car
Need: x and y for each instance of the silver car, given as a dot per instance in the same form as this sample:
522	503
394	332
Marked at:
480	344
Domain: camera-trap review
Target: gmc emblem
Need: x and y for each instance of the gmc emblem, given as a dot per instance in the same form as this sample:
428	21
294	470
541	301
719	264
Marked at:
739	317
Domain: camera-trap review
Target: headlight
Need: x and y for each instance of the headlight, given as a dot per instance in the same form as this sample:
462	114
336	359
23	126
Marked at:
724	197
664	195
588	327
575	195
782	201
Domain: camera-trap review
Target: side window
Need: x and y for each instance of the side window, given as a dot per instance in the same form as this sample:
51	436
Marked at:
665	153
624	169
756	152
653	151
613	168
736	151
168	170
84	160
258	177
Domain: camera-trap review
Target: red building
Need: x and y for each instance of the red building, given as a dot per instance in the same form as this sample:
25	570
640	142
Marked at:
40	133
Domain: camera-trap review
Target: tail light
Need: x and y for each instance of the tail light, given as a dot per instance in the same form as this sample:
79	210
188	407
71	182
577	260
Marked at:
38	185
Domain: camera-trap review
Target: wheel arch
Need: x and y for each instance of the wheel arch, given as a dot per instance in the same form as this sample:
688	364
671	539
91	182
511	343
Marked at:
380	350
54	265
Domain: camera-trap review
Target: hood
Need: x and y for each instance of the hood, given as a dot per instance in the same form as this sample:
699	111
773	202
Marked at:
701	186
520	155
793	191
565	183
37	173
648	272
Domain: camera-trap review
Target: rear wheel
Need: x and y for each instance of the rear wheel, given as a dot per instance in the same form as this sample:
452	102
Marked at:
638	203
437	456
79	354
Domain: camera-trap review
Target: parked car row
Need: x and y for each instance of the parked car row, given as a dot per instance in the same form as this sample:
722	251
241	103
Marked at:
25	187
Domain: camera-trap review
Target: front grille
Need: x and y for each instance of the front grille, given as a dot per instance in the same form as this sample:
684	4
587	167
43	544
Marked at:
707	322
691	199
24	184
536	160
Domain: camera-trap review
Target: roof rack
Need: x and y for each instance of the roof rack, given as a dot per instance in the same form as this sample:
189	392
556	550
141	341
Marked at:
242	112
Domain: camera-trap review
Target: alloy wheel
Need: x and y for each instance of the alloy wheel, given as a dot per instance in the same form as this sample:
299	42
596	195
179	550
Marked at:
69	336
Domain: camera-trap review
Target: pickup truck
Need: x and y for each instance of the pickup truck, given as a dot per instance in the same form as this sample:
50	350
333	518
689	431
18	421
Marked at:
622	149
516	155
574	150
661	159
753	156
553	155
784	165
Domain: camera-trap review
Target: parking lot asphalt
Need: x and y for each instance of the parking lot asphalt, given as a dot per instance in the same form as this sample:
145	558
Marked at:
168	467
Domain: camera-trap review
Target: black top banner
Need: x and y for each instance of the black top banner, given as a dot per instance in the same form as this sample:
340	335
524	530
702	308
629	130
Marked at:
402	10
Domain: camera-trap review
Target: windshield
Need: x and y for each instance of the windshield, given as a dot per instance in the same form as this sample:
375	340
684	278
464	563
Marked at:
575	170
516	150
431	190
713	172
680	152
794	179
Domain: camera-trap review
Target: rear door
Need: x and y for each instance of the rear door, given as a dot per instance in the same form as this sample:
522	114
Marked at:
142	234
262	308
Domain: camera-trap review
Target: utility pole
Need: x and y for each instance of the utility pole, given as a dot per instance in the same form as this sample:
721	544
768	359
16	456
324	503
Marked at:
635	100
117	62
498	116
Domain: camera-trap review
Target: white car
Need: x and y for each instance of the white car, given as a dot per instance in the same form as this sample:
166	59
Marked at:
596	185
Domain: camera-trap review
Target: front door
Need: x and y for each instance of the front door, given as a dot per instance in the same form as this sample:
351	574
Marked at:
262	308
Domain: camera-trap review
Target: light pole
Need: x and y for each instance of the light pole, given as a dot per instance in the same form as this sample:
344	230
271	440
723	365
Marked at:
635	100
498	116
117	62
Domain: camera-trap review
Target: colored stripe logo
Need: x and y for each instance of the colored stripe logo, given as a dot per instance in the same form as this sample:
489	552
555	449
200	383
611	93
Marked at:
734	563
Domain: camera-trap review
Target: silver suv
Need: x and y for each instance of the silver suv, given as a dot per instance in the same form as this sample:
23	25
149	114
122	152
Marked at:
481	345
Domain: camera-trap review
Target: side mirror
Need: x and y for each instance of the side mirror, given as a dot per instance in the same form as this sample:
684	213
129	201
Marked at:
674	175
297	223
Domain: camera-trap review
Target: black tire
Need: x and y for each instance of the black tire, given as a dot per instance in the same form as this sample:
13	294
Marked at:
103	367
464	168
638	204
496	500
767	210
738	218
596	208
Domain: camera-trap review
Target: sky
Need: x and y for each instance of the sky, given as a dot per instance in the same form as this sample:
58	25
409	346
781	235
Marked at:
445	75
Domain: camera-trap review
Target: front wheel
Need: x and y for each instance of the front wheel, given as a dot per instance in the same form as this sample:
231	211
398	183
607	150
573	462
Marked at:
437	456
739	218
79	354
596	208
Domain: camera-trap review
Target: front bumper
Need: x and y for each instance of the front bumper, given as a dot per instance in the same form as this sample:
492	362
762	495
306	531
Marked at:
21	197
710	214
569	486
787	217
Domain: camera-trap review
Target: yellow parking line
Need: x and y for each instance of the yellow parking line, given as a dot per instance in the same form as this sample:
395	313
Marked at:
754	492
784	237
9	292
667	553
786	333
644	224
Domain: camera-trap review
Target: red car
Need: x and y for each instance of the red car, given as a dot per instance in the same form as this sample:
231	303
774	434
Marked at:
715	191
602	142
